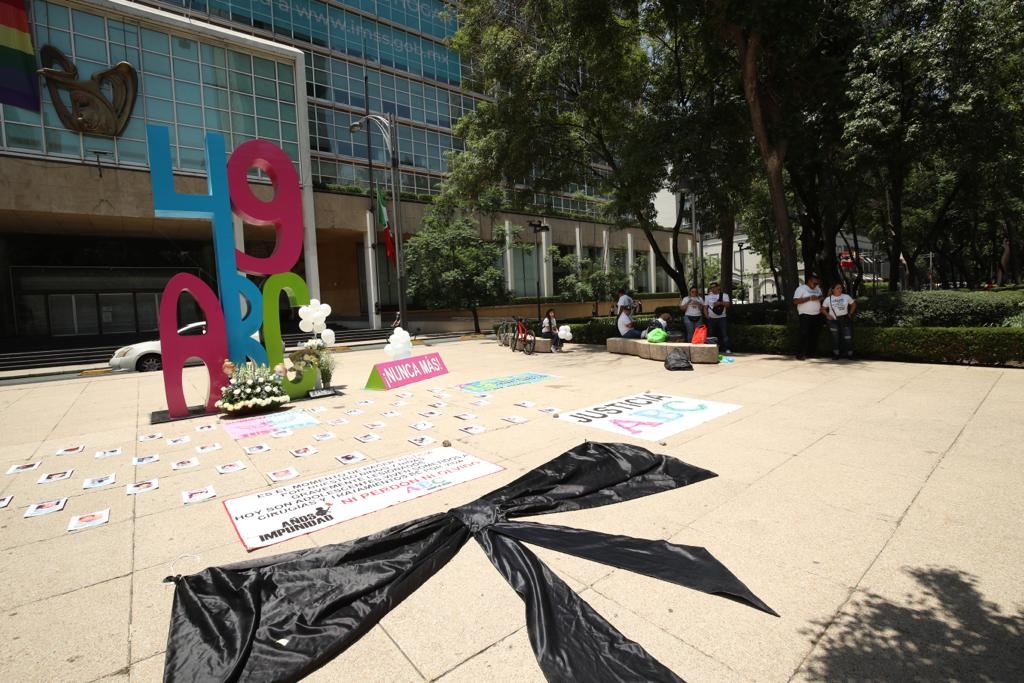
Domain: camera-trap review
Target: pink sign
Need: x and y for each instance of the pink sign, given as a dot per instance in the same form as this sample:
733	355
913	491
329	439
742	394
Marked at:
398	373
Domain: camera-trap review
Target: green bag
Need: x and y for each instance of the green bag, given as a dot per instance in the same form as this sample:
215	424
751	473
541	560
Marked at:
657	336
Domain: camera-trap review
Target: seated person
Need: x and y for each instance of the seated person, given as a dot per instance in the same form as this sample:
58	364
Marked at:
549	330
626	327
660	322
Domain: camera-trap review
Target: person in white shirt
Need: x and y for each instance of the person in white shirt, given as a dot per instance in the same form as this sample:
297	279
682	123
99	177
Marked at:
807	298
838	308
626	328
625	303
549	330
716	306
693	312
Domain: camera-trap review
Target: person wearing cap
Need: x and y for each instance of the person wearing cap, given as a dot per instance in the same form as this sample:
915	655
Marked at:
807	298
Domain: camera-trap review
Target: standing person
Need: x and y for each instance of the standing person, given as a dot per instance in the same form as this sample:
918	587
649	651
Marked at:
838	308
549	330
716	306
807	298
693	312
625	302
626	328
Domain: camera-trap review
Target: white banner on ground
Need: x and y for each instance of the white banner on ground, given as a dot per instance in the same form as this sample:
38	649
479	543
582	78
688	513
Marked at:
648	416
270	517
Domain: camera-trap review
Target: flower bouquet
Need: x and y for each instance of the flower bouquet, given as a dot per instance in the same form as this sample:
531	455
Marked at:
252	389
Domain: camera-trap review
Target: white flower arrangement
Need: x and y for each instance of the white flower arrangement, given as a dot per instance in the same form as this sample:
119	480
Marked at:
252	387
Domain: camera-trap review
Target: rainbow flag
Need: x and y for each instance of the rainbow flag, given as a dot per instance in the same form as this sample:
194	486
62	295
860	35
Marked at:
19	84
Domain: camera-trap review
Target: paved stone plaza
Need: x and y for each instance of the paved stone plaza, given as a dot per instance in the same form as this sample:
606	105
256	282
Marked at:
876	506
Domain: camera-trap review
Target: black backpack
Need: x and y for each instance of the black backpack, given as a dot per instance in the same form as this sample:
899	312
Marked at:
678	359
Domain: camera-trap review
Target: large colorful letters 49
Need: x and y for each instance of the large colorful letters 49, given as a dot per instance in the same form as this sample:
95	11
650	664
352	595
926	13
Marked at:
242	312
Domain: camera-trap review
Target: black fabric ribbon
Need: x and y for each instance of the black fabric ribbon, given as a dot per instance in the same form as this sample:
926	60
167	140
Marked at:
283	617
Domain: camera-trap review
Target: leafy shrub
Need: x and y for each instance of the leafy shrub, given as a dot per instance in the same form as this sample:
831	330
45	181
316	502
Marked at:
938	308
975	345
758	314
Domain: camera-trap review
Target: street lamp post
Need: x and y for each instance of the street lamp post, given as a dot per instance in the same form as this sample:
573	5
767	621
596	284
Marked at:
741	250
389	131
538	227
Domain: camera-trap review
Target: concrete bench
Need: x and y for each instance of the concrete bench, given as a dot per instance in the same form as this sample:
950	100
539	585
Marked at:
543	345
699	353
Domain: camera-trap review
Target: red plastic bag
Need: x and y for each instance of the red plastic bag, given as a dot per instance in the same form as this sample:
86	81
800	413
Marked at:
700	335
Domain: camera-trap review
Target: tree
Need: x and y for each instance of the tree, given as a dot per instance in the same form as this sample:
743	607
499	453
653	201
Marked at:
587	280
448	265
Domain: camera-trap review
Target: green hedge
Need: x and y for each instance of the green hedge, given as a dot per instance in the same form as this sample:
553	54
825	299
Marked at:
939	308
974	346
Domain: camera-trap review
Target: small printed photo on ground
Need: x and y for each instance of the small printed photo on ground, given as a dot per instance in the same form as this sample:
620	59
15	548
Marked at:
5	501
151	437
303	452
257	448
438	404
550	409
403	394
283	475
353	412
109	453
89	519
71	450
205	428
422	426
96	482
466	416
481	395
364	402
55	476
230	467
399	404
482	402
473	429
317	409
184	464
430	413
368	437
323	436
349	458
46	507
145	459
422	440
338	421
23	467
178	440
375	425
198	495
525	404
142	486
208	448
281	433
514	419
391	413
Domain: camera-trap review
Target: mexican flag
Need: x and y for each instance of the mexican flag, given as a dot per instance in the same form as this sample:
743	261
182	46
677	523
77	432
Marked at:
19	84
382	219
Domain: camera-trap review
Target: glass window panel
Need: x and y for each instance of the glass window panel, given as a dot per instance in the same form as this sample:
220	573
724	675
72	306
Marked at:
154	41
90	48
185	70
156	64
264	67
268	88
189	115
122	33
131	151
86	318
159	110
287	113
240	62
189	93
30	310
56	15
192	159
266	108
63	142
241	103
286	92
190	137
214	56
268	128
289	133
243	124
125	54
285	73
24	137
89	24
62	314
215	97
117	313
217	119
185	48
19	115
147	306
240	82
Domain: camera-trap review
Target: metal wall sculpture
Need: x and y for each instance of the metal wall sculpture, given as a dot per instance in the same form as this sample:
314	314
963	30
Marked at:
101	105
231	326
281	618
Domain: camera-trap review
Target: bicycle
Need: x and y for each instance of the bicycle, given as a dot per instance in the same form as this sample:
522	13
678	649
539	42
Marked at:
505	332
522	339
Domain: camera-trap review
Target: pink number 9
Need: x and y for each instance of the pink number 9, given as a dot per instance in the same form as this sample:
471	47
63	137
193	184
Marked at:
283	210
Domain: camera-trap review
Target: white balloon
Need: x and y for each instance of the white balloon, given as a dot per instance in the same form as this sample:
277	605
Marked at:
325	309
314	302
328	337
306	325
319	327
304	312
565	332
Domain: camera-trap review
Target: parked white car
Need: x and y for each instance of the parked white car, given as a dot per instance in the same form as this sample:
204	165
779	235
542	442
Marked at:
145	356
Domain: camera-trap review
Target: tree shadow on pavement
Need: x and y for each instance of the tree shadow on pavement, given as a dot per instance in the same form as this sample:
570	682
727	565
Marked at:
945	630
